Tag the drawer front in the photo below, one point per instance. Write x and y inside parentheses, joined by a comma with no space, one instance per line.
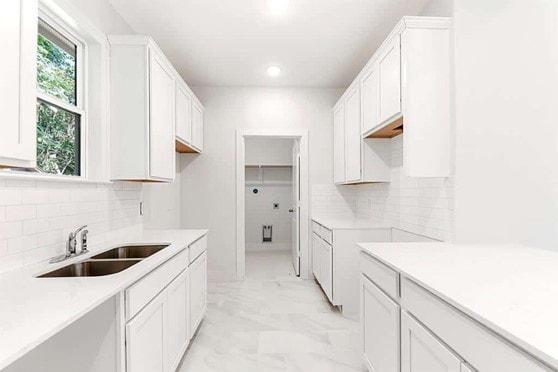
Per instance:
(479,346)
(144,290)
(197,248)
(384,277)
(326,235)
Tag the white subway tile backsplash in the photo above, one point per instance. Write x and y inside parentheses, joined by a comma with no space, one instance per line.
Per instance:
(10,197)
(419,205)
(35,216)
(21,212)
(22,244)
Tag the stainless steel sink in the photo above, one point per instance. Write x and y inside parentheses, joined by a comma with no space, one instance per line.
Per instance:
(91,268)
(130,251)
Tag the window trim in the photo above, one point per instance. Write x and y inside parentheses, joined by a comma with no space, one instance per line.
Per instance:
(80,108)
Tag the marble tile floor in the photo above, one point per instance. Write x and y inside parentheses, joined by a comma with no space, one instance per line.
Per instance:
(272,321)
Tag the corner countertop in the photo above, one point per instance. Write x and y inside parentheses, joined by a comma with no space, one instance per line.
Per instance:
(511,289)
(347,223)
(34,309)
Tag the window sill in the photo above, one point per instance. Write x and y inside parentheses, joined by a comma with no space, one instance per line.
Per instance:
(49,178)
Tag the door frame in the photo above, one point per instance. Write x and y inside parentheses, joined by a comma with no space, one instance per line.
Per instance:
(302,136)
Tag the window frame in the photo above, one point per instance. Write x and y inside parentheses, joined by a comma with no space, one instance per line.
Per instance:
(80,108)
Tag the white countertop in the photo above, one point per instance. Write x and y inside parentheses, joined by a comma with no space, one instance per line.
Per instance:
(511,289)
(34,309)
(347,223)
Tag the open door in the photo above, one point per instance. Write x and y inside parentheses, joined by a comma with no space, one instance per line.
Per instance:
(295,211)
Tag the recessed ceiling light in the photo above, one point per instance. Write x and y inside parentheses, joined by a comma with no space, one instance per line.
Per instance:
(277,6)
(273,71)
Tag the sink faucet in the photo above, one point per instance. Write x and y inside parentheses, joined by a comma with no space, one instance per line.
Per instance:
(71,244)
(84,242)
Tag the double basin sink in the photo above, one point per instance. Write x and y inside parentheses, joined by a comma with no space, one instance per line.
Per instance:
(110,262)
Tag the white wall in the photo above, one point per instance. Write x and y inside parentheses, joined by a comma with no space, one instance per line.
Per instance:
(259,211)
(438,8)
(162,203)
(208,180)
(269,151)
(507,131)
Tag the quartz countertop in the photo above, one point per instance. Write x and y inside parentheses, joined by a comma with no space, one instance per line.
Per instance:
(347,223)
(509,288)
(34,309)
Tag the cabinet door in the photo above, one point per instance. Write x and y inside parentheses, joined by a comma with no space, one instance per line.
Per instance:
(339,144)
(198,291)
(421,351)
(352,135)
(18,37)
(197,134)
(316,255)
(390,81)
(326,269)
(161,119)
(380,328)
(178,318)
(370,100)
(146,338)
(183,114)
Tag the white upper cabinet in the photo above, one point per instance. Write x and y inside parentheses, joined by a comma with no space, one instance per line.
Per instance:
(197,129)
(370,98)
(352,135)
(18,37)
(390,81)
(153,112)
(339,143)
(405,88)
(161,119)
(183,114)
(189,121)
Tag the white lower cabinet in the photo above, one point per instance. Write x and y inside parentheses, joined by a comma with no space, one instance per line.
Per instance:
(380,328)
(434,335)
(326,269)
(146,338)
(198,291)
(178,310)
(422,352)
(163,310)
(316,256)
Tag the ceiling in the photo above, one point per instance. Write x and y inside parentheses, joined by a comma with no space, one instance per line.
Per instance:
(316,43)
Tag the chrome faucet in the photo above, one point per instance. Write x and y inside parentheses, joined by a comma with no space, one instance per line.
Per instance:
(84,242)
(71,244)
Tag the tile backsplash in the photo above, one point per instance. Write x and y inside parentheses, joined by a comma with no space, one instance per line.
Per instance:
(37,216)
(419,205)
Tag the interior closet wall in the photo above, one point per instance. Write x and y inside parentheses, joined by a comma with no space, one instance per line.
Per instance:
(268,182)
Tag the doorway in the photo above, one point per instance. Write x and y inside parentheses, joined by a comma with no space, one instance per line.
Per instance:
(272,195)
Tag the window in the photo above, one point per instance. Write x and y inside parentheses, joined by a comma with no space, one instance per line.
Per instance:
(60,113)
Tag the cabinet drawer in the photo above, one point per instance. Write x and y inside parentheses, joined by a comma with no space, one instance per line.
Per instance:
(475,343)
(145,289)
(384,277)
(326,235)
(198,247)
